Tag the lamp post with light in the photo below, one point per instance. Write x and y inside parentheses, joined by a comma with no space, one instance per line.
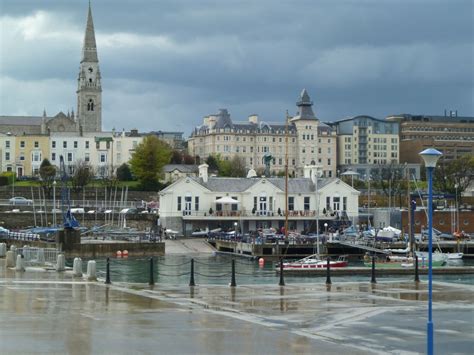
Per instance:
(430,157)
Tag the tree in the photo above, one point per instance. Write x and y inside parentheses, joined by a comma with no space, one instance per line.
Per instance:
(47,173)
(82,175)
(188,159)
(454,176)
(213,162)
(148,160)
(124,173)
(176,157)
(390,179)
(237,167)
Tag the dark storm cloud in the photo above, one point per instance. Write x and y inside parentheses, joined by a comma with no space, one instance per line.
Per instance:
(165,64)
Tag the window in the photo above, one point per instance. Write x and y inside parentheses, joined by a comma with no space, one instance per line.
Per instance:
(53,144)
(134,144)
(36,156)
(53,156)
(7,144)
(306,203)
(103,158)
(328,203)
(119,157)
(7,155)
(336,203)
(22,156)
(64,144)
(90,105)
(36,144)
(179,203)
(196,203)
(344,203)
(87,157)
(234,205)
(329,161)
(87,144)
(22,144)
(255,202)
(69,156)
(119,145)
(75,144)
(291,203)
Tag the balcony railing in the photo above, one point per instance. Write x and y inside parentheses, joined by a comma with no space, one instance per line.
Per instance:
(256,214)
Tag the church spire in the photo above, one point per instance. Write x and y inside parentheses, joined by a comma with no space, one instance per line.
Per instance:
(89,49)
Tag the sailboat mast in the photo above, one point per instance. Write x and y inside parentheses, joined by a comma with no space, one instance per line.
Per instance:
(410,231)
(286,176)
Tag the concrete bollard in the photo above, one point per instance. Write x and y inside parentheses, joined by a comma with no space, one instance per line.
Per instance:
(91,270)
(10,259)
(61,263)
(19,263)
(77,267)
(3,250)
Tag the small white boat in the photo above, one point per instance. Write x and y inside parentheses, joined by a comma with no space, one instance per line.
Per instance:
(314,262)
(455,256)
(437,256)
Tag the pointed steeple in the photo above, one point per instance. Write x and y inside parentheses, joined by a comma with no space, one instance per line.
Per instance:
(305,110)
(89,49)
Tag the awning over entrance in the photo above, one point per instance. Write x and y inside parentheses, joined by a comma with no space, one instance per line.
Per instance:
(227,200)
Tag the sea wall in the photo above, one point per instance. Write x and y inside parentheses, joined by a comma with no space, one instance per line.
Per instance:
(22,220)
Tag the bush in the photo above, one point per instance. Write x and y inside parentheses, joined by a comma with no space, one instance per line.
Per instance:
(4,180)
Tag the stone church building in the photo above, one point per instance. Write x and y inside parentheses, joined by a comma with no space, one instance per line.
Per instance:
(89,100)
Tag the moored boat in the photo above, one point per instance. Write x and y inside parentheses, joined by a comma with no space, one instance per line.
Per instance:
(314,262)
(391,261)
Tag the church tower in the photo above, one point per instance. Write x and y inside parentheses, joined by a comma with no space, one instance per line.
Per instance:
(89,89)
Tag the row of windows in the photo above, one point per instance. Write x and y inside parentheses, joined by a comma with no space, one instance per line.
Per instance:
(75,144)
(261,203)
(437,129)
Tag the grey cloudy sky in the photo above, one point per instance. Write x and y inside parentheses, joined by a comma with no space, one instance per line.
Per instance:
(166,64)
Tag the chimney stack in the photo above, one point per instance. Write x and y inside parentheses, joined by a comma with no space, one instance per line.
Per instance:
(203,172)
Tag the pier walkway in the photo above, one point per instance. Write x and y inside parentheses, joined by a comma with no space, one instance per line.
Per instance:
(51,312)
(358,245)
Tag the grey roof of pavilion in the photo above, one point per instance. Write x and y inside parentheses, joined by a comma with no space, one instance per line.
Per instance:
(89,49)
(184,168)
(224,184)
(295,185)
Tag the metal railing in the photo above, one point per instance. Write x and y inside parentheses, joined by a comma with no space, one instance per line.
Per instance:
(258,213)
(38,256)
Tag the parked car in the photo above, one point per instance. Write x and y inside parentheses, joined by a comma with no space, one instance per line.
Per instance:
(20,201)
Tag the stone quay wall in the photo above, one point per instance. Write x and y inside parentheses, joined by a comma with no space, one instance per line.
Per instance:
(22,220)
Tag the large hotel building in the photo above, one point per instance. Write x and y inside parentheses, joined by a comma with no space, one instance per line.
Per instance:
(310,142)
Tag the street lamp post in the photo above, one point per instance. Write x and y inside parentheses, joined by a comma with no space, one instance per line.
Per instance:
(326,230)
(54,203)
(456,207)
(430,156)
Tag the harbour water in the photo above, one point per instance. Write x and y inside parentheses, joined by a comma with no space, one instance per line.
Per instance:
(216,270)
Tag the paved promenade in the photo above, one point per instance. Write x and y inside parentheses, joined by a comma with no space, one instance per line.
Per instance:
(53,313)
